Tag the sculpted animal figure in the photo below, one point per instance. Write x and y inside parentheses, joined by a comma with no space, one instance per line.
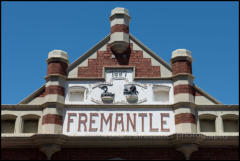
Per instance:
(130,90)
(106,93)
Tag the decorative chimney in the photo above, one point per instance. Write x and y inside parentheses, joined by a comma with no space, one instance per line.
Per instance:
(52,120)
(56,75)
(185,121)
(119,39)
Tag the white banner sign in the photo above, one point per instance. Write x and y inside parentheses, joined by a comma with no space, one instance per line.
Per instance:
(115,121)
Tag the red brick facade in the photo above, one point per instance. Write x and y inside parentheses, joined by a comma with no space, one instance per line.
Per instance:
(181,66)
(185,118)
(56,67)
(53,89)
(184,89)
(132,57)
(52,119)
(120,28)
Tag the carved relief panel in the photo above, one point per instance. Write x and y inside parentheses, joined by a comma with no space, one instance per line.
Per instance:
(119,87)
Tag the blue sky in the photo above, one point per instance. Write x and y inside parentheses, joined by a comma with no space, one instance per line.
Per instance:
(29,30)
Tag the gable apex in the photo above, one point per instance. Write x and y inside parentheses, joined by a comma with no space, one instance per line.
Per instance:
(104,45)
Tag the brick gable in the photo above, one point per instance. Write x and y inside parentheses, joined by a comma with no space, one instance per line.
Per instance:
(132,57)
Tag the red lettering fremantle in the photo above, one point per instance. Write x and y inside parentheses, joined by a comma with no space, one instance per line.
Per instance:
(142,115)
(70,120)
(121,122)
(82,121)
(109,119)
(133,123)
(91,129)
(151,128)
(163,122)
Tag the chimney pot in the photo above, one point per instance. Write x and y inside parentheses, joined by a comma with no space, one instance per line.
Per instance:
(119,39)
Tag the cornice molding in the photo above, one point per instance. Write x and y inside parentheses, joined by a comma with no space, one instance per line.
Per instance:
(174,106)
(173,140)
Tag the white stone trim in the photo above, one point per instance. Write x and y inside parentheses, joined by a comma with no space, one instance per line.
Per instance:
(201,100)
(6,116)
(183,82)
(20,113)
(119,10)
(54,98)
(122,21)
(18,125)
(37,101)
(207,116)
(230,116)
(73,73)
(58,54)
(54,111)
(55,82)
(51,129)
(119,36)
(182,52)
(185,110)
(186,128)
(183,97)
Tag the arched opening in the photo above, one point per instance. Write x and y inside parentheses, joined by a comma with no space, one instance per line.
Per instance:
(207,122)
(230,123)
(30,123)
(8,123)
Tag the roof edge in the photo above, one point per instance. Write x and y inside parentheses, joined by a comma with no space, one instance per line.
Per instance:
(207,95)
(88,53)
(31,96)
(151,52)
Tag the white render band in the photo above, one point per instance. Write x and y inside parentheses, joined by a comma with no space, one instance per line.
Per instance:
(182,53)
(58,54)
